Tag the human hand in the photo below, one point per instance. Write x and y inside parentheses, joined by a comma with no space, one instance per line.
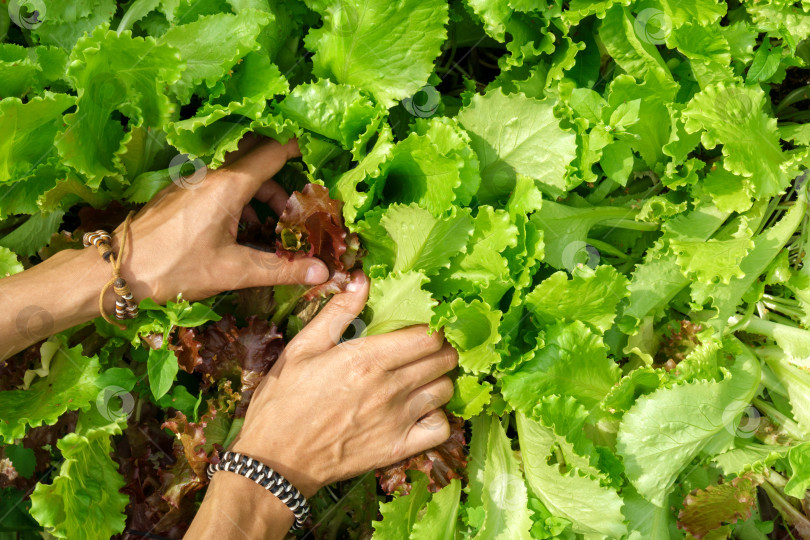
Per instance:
(327,412)
(184,240)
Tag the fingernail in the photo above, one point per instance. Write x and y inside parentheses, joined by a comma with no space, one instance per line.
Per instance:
(316,274)
(354,285)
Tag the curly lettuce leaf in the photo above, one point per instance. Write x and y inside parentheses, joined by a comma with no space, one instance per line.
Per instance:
(372,45)
(735,116)
(441,514)
(29,130)
(531,143)
(573,362)
(73,382)
(590,296)
(84,501)
(666,429)
(397,301)
(472,328)
(422,241)
(470,396)
(400,513)
(483,267)
(595,511)
(339,112)
(357,186)
(113,72)
(211,46)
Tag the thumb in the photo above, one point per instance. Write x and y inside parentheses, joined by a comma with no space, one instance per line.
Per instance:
(325,330)
(261,268)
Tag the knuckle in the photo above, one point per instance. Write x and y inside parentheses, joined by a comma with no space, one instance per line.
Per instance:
(445,389)
(449,358)
(359,370)
(429,342)
(443,431)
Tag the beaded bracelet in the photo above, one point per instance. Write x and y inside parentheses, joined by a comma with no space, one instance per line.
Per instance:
(125,306)
(267,478)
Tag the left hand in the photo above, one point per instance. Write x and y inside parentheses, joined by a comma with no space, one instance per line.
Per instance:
(184,240)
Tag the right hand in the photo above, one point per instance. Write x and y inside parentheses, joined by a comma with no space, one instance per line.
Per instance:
(328,411)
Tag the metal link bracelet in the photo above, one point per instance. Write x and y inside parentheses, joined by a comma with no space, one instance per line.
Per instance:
(266,477)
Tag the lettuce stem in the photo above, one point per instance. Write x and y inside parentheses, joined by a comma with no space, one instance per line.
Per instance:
(629,224)
(791,427)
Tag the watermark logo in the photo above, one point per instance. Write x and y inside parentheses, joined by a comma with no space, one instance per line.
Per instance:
(34,323)
(735,104)
(503,488)
(653,26)
(345,329)
(115,403)
(345,18)
(28,14)
(266,260)
(745,425)
(423,103)
(579,252)
(187,171)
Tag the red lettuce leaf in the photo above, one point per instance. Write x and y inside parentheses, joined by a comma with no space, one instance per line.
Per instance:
(195,446)
(312,223)
(223,351)
(441,464)
(705,510)
(141,453)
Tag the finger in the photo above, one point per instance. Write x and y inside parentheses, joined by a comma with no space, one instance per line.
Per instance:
(397,349)
(428,432)
(259,165)
(273,195)
(249,215)
(429,368)
(256,268)
(428,397)
(246,144)
(326,329)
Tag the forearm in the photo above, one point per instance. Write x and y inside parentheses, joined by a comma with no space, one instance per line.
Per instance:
(54,295)
(236,508)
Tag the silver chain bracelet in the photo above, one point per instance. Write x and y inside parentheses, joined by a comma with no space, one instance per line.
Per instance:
(267,478)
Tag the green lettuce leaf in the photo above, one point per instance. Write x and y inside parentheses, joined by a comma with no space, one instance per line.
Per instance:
(357,186)
(470,396)
(591,296)
(423,242)
(63,23)
(573,362)
(397,301)
(372,45)
(441,514)
(339,112)
(483,267)
(113,72)
(400,513)
(735,116)
(74,382)
(799,458)
(9,264)
(665,430)
(211,46)
(472,328)
(501,488)
(533,143)
(84,501)
(595,512)
(28,133)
